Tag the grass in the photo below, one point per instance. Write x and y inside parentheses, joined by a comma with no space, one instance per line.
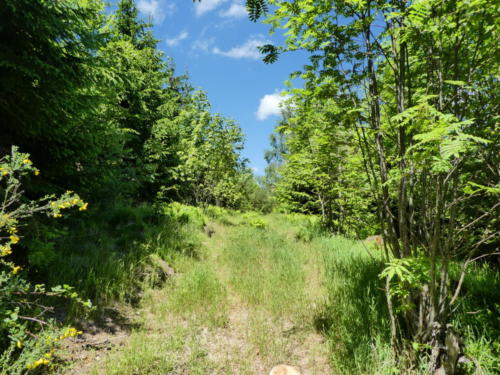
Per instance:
(148,354)
(354,318)
(477,317)
(265,270)
(272,289)
(106,259)
(199,296)
(242,306)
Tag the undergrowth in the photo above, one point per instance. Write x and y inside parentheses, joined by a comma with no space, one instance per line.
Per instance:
(106,256)
(269,263)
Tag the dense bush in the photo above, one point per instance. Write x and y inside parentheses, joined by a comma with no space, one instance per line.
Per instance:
(24,307)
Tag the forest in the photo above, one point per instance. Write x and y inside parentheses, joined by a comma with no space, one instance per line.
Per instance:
(136,239)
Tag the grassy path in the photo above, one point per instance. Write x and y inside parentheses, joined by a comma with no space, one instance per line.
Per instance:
(246,305)
(256,296)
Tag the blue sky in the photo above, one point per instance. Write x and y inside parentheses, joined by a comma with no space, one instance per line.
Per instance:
(216,44)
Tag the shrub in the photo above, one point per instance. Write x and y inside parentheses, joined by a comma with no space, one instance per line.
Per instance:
(23,306)
(185,214)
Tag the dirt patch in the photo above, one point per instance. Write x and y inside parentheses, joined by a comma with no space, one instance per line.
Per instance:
(108,331)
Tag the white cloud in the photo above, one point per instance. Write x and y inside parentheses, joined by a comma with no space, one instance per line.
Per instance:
(203,44)
(153,9)
(177,39)
(270,105)
(236,10)
(205,6)
(248,50)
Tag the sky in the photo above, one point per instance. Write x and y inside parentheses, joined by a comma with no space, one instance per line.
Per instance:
(215,43)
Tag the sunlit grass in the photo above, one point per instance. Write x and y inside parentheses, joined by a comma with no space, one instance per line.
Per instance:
(258,295)
(199,295)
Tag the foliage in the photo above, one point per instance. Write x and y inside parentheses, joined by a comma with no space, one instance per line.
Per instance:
(48,97)
(410,83)
(211,163)
(254,220)
(320,170)
(185,214)
(23,306)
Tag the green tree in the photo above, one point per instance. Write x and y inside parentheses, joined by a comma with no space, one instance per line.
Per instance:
(414,77)
(49,70)
(210,153)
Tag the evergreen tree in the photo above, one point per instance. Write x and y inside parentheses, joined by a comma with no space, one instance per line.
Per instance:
(48,76)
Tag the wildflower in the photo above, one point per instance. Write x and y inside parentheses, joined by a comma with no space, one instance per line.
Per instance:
(14,239)
(19,344)
(83,207)
(37,172)
(16,269)
(5,250)
(26,161)
(38,362)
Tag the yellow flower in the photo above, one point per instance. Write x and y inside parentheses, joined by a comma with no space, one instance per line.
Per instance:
(57,215)
(37,172)
(83,207)
(15,270)
(14,239)
(5,250)
(19,344)
(26,161)
(38,362)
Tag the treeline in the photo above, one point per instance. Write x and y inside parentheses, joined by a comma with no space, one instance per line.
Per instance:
(395,132)
(102,113)
(93,116)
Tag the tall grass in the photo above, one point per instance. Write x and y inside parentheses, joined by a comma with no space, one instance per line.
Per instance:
(106,257)
(285,281)
(354,317)
(265,269)
(199,296)
(477,318)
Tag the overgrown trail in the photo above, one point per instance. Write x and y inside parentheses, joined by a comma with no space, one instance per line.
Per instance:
(248,303)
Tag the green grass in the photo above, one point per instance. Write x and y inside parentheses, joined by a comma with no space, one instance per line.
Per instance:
(106,258)
(477,317)
(254,295)
(355,316)
(200,296)
(265,269)
(147,354)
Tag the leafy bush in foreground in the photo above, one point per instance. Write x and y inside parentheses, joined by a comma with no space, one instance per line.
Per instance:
(23,307)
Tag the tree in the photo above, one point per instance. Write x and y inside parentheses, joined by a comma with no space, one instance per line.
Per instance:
(49,72)
(412,78)
(320,171)
(210,154)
